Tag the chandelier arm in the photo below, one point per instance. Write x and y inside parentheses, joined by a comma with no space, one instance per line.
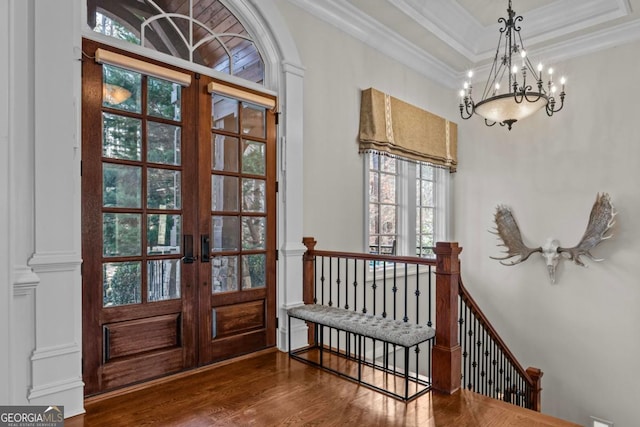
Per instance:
(552,103)
(528,90)
(519,97)
(488,123)
(464,110)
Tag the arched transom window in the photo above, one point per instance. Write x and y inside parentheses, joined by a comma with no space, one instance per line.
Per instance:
(204,32)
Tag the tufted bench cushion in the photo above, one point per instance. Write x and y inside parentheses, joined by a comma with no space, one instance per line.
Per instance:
(378,327)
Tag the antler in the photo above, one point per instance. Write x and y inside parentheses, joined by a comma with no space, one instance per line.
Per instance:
(509,232)
(600,221)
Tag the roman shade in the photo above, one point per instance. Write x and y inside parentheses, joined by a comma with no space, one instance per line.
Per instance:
(398,129)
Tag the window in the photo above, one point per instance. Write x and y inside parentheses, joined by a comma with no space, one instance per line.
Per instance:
(406,206)
(204,32)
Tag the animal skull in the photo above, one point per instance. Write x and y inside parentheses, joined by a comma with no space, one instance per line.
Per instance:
(551,255)
(600,222)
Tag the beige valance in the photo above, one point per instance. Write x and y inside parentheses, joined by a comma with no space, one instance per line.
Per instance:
(396,128)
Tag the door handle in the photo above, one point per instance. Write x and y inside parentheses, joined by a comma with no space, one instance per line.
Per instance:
(204,248)
(188,257)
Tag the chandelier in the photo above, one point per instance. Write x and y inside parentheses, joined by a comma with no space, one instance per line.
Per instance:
(508,96)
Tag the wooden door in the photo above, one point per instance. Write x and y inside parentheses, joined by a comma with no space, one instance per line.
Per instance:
(237,221)
(150,302)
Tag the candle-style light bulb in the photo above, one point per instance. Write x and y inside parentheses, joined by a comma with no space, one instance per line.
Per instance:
(466,85)
(540,67)
(563,80)
(461,94)
(470,74)
(514,69)
(497,88)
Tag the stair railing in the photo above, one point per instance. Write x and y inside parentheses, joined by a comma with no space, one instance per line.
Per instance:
(488,366)
(483,363)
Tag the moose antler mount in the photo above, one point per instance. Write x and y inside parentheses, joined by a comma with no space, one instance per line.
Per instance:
(600,221)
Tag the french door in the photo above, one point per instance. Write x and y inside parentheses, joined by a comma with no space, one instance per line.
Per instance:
(178,221)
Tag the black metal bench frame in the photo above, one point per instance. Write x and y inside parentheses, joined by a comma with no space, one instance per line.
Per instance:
(358,356)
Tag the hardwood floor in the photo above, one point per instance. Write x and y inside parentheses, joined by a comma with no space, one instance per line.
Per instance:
(269,389)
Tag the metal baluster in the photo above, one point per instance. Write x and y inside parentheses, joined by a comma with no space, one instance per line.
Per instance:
(461,337)
(338,281)
(417,293)
(346,283)
(430,321)
(322,281)
(406,293)
(476,371)
(364,289)
(468,338)
(315,280)
(417,321)
(384,292)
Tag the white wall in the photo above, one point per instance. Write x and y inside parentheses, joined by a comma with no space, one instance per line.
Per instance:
(583,331)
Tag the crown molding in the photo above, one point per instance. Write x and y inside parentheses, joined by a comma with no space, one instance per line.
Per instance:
(346,17)
(448,14)
(607,38)
(445,18)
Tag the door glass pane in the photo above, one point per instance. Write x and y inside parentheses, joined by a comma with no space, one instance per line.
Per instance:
(163,99)
(253,120)
(163,234)
(225,113)
(121,88)
(163,143)
(224,273)
(253,232)
(224,193)
(121,283)
(253,271)
(225,153)
(121,186)
(121,137)
(226,233)
(253,158)
(163,279)
(253,195)
(163,189)
(121,235)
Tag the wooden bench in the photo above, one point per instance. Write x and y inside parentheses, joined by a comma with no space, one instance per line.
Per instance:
(361,326)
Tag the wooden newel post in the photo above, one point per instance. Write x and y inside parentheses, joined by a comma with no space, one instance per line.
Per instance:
(536,375)
(308,272)
(308,277)
(447,354)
